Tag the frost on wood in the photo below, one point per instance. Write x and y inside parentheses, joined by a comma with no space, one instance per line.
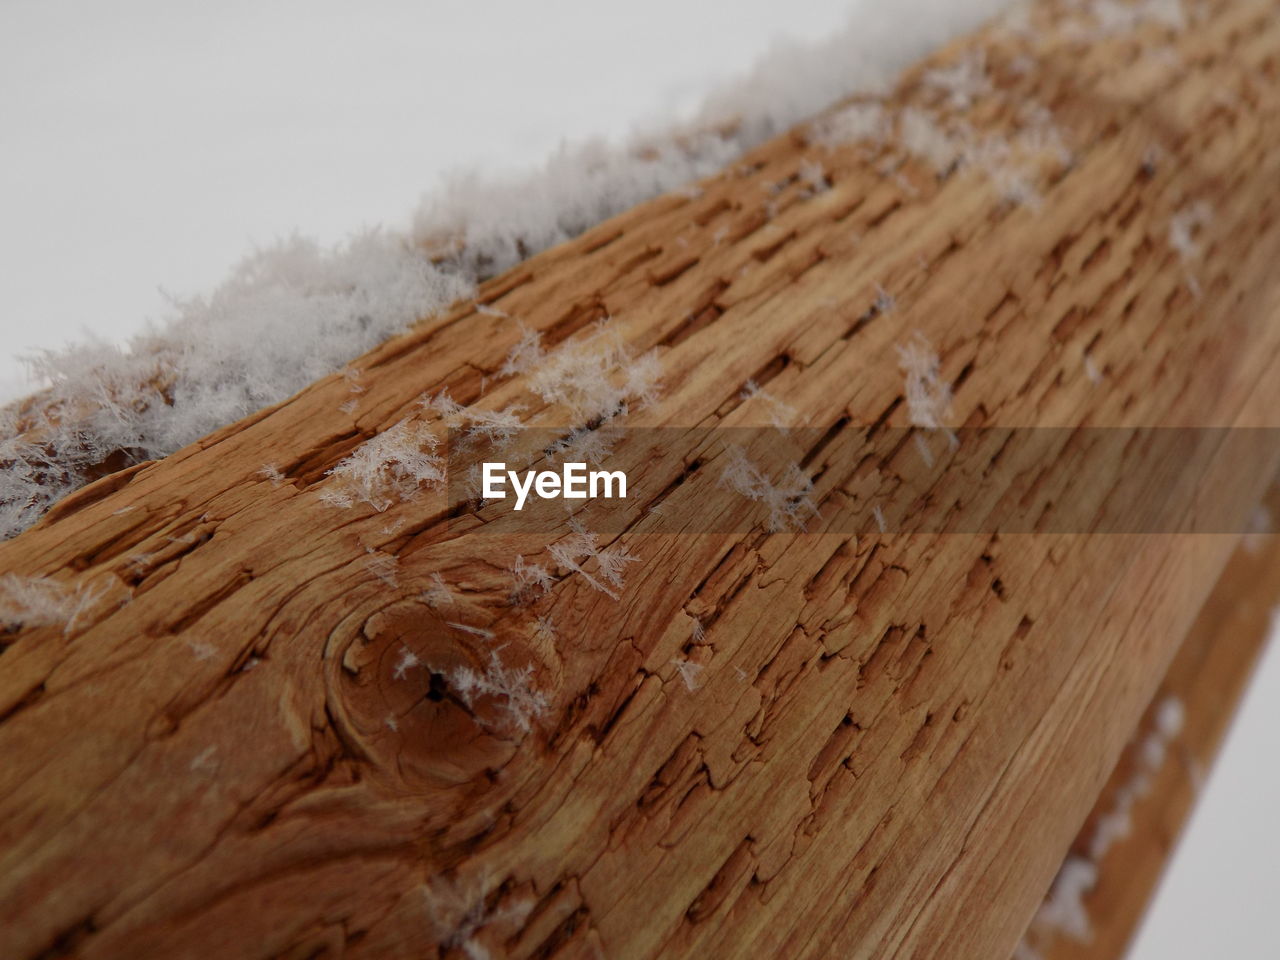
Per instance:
(928,395)
(42,602)
(1107,17)
(497,427)
(580,547)
(963,82)
(383,566)
(438,594)
(939,134)
(582,445)
(387,469)
(789,500)
(459,920)
(528,580)
(853,124)
(1183,231)
(520,703)
(781,415)
(1184,226)
(597,376)
(287,316)
(688,671)
(813,176)
(404,663)
(295,312)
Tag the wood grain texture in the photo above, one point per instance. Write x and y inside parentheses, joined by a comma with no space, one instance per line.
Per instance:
(1208,677)
(893,739)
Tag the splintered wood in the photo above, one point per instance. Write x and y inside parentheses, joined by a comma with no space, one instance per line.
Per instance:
(270,711)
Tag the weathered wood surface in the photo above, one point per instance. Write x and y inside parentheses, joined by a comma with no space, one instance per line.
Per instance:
(893,739)
(1208,678)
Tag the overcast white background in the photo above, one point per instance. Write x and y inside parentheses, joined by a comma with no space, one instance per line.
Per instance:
(148,146)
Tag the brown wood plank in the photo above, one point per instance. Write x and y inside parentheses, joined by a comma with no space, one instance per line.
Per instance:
(892,739)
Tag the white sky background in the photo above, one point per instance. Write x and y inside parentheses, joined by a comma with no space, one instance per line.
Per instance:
(148,145)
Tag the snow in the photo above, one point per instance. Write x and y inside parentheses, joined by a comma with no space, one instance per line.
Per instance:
(782,415)
(41,475)
(580,547)
(789,499)
(42,602)
(521,703)
(384,566)
(528,580)
(596,377)
(497,427)
(438,594)
(855,123)
(387,469)
(1184,226)
(928,395)
(296,311)
(688,671)
(404,663)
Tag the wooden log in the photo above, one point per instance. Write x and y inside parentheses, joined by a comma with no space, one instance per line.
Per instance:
(1153,796)
(255,735)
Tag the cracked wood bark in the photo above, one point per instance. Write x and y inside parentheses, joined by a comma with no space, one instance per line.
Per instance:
(203,767)
(1208,676)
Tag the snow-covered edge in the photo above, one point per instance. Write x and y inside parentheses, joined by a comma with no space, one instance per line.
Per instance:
(295,312)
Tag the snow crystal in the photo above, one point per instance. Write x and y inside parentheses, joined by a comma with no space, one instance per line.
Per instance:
(406,662)
(528,580)
(523,703)
(457,918)
(1184,226)
(924,138)
(42,602)
(597,377)
(813,176)
(1064,910)
(498,427)
(480,632)
(788,501)
(697,632)
(962,82)
(928,395)
(438,594)
(383,566)
(885,302)
(1114,16)
(388,468)
(688,671)
(580,547)
(856,123)
(781,415)
(582,445)
(1091,370)
(296,312)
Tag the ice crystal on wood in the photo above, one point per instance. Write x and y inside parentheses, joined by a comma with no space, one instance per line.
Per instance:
(42,602)
(581,547)
(389,468)
(521,704)
(789,500)
(928,395)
